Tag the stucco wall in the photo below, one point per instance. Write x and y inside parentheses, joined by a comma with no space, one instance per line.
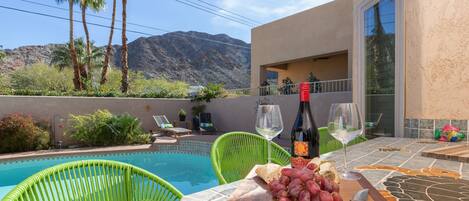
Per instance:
(333,68)
(229,114)
(437,59)
(51,108)
(317,31)
(239,114)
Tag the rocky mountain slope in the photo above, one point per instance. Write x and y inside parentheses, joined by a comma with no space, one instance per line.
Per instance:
(188,56)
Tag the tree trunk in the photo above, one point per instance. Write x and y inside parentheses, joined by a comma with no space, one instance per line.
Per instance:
(77,82)
(86,67)
(109,46)
(124,59)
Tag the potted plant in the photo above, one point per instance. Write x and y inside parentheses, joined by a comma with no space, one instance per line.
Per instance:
(182,115)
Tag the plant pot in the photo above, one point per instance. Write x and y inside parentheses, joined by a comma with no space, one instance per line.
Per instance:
(182,117)
(196,123)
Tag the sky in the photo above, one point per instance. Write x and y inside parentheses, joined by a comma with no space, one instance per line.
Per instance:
(18,29)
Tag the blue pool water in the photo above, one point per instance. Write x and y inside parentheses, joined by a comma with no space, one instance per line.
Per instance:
(188,173)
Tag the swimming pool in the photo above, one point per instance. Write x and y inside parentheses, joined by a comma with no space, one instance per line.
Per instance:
(187,172)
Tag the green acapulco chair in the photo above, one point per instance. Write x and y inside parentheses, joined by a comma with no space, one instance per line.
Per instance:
(234,154)
(93,180)
(327,143)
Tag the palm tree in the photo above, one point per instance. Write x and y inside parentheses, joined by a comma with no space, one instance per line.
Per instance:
(109,46)
(95,5)
(61,58)
(124,56)
(77,82)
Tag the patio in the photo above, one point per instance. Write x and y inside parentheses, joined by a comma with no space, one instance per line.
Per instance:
(385,168)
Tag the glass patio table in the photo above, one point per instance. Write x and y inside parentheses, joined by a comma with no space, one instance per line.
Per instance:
(394,166)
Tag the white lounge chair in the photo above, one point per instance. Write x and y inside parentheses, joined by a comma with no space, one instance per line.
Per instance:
(165,126)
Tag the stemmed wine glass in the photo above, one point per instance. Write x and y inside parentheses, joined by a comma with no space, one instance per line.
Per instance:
(269,123)
(345,124)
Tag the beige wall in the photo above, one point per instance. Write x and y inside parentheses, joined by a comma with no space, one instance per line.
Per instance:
(335,67)
(437,59)
(317,31)
(53,107)
(241,113)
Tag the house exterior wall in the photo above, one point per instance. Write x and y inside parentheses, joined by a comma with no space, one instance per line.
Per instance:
(437,59)
(321,30)
(333,68)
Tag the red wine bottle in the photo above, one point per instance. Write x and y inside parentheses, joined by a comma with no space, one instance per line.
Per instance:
(304,134)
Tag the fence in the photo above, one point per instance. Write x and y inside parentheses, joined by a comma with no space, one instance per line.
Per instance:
(326,86)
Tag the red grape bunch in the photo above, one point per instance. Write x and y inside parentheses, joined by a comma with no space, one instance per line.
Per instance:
(304,184)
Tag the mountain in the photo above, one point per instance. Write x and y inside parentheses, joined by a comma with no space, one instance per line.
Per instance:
(194,57)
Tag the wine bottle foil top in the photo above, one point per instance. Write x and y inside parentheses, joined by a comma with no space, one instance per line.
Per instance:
(304,92)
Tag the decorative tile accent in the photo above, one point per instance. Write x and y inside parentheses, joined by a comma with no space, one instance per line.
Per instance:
(414,123)
(407,123)
(426,133)
(462,124)
(426,124)
(439,123)
(425,128)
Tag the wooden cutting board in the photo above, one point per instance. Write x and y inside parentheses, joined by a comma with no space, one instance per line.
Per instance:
(455,152)
(253,188)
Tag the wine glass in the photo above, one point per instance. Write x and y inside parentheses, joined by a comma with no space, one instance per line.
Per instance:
(269,123)
(345,124)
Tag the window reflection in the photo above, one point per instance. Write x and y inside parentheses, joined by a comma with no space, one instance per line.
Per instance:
(380,64)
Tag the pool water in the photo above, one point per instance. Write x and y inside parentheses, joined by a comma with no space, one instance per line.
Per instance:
(187,172)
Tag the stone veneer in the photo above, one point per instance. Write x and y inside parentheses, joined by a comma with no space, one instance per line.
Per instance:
(425,128)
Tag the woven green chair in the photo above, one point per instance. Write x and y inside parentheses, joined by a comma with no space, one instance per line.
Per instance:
(93,180)
(327,143)
(234,154)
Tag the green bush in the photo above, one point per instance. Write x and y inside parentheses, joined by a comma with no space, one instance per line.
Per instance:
(20,133)
(42,80)
(102,128)
(209,92)
(40,77)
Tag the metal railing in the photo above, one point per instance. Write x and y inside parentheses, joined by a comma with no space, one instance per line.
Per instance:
(325,86)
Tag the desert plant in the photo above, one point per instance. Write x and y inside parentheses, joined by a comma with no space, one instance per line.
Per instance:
(95,5)
(209,92)
(19,132)
(182,115)
(124,50)
(107,56)
(77,82)
(102,128)
(41,77)
(61,58)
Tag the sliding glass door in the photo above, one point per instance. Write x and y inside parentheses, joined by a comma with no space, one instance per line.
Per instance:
(379,63)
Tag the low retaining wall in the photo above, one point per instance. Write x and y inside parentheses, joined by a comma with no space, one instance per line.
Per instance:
(230,114)
(57,109)
(239,114)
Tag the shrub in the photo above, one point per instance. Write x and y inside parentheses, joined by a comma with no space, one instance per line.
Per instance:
(209,92)
(20,133)
(102,128)
(40,77)
(42,80)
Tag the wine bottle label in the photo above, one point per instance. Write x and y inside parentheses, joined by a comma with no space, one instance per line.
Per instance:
(299,162)
(301,148)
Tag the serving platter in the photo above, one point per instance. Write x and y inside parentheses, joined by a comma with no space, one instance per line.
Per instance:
(254,188)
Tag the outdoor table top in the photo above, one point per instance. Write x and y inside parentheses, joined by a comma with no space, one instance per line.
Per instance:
(384,165)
